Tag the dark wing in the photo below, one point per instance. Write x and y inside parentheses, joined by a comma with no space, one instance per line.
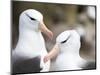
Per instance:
(89,65)
(26,66)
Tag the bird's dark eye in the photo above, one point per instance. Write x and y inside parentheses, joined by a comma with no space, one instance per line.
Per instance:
(30,17)
(65,40)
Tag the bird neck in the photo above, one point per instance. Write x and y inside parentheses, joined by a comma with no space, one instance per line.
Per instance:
(70,51)
(31,43)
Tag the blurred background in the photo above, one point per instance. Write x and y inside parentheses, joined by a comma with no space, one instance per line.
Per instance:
(61,17)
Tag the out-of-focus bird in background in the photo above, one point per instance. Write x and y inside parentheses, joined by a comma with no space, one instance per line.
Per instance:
(91,12)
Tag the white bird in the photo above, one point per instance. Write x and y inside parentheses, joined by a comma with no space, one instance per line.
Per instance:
(68,58)
(30,49)
(91,12)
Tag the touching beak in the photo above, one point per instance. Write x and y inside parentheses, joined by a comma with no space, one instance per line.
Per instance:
(45,30)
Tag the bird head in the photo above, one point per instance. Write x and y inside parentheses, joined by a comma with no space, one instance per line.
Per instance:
(33,20)
(69,41)
(63,37)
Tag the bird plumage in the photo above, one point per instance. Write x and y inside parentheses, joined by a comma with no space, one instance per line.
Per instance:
(31,43)
(68,57)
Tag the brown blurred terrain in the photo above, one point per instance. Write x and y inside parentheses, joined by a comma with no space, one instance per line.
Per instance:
(60,17)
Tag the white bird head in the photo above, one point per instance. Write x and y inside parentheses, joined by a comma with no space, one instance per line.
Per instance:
(69,41)
(63,37)
(33,20)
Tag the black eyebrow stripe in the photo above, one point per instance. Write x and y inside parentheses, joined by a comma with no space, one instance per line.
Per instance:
(30,17)
(66,39)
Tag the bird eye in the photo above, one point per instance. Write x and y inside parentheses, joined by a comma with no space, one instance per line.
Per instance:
(65,40)
(30,17)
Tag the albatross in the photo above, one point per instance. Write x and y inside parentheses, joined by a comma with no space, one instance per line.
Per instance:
(66,53)
(30,50)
